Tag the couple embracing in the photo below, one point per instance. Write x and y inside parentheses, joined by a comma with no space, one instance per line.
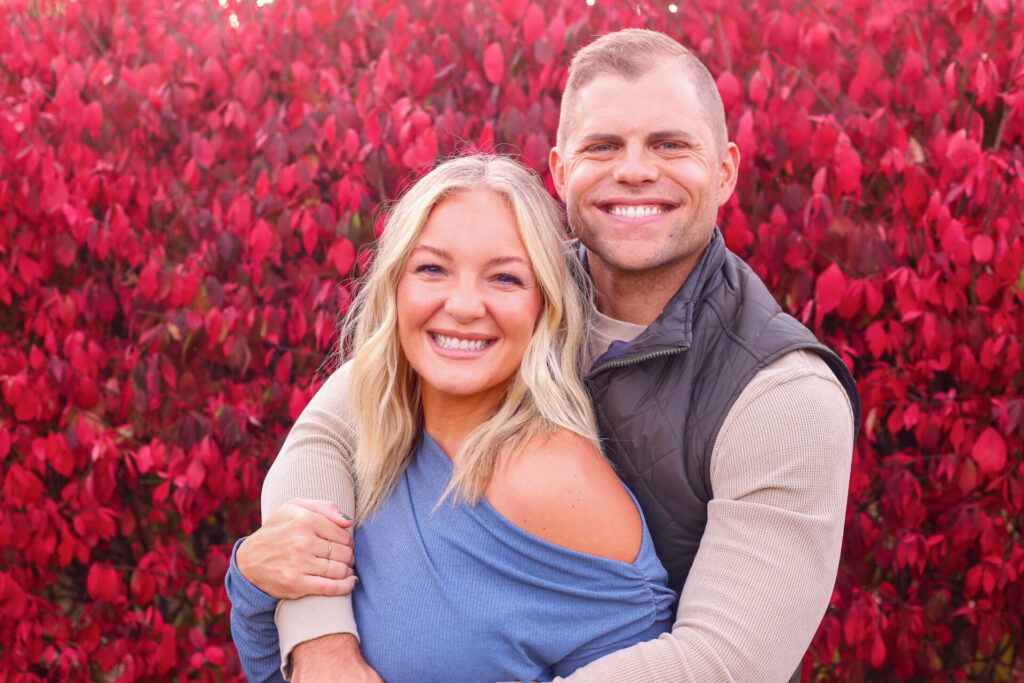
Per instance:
(505,388)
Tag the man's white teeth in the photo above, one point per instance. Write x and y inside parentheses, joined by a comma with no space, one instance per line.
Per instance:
(457,344)
(635,211)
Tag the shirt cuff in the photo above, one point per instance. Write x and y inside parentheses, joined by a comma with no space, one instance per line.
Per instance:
(245,597)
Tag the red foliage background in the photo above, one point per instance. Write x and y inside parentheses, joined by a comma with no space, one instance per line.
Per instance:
(183,187)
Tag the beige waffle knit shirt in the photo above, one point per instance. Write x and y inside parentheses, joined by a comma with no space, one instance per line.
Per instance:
(767,562)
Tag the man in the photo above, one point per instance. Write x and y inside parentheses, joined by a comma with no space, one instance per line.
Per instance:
(731,424)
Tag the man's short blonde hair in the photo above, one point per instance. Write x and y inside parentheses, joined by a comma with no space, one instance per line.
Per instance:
(632,53)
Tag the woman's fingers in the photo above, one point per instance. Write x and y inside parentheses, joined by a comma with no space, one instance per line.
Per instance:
(299,551)
(331,587)
(325,508)
(325,532)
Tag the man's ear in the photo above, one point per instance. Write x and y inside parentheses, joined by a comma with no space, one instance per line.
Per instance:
(557,167)
(728,172)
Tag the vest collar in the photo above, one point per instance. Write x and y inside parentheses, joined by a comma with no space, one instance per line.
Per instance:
(673,329)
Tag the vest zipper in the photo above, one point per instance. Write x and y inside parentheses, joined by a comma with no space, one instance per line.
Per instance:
(623,362)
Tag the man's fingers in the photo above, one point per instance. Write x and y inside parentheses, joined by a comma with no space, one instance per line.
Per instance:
(325,508)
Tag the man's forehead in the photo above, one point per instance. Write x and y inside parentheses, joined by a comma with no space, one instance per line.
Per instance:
(673,106)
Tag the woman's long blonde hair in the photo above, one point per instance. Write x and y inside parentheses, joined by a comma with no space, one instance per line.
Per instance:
(545,393)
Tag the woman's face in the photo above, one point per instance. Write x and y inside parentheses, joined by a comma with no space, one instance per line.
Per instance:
(468,299)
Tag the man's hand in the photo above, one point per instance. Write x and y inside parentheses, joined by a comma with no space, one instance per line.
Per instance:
(304,548)
(331,658)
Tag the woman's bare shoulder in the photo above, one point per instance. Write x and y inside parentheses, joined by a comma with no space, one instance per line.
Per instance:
(561,489)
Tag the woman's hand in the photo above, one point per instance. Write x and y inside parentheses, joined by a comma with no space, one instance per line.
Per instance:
(303,548)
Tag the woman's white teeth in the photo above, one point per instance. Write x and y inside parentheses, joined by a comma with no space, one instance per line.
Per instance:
(457,344)
(635,211)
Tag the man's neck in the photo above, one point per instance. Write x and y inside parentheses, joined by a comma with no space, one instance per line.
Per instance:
(636,297)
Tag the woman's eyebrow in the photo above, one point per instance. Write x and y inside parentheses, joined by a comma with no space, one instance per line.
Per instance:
(441,253)
(499,260)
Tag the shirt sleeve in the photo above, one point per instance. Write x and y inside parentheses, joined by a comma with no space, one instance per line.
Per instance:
(764,573)
(315,462)
(252,626)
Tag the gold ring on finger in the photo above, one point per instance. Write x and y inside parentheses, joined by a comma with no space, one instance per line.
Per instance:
(326,567)
(329,546)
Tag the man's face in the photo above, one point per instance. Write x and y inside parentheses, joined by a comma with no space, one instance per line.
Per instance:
(640,175)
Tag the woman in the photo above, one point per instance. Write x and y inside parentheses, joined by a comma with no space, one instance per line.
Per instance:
(495,542)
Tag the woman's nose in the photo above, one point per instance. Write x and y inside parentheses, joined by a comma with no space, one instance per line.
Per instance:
(464,301)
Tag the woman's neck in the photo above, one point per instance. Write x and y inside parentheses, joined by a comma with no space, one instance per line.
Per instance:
(449,419)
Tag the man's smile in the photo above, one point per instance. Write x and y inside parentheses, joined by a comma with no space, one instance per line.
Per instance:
(636,210)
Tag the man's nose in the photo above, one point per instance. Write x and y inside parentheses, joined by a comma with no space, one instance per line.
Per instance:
(635,167)
(464,302)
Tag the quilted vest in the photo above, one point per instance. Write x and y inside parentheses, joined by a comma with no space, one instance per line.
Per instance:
(661,398)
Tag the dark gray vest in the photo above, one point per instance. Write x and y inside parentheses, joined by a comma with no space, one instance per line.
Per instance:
(661,399)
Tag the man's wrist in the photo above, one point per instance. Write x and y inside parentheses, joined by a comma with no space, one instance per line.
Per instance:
(342,648)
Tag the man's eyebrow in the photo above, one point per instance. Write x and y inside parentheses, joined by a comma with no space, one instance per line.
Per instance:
(599,137)
(673,134)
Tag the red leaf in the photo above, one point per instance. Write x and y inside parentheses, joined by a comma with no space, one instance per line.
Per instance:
(304,23)
(297,402)
(423,76)
(92,117)
(310,232)
(830,289)
(989,451)
(848,166)
(214,77)
(758,89)
(167,652)
(342,254)
(878,652)
(196,473)
(533,24)
(143,586)
(54,193)
(962,152)
(148,280)
(422,151)
(103,583)
(13,599)
(494,64)
(248,90)
(983,248)
(260,241)
(27,407)
(383,75)
(877,338)
(65,249)
(730,88)
(215,655)
(22,485)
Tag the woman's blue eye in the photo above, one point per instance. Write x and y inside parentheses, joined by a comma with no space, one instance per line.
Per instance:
(510,279)
(428,268)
